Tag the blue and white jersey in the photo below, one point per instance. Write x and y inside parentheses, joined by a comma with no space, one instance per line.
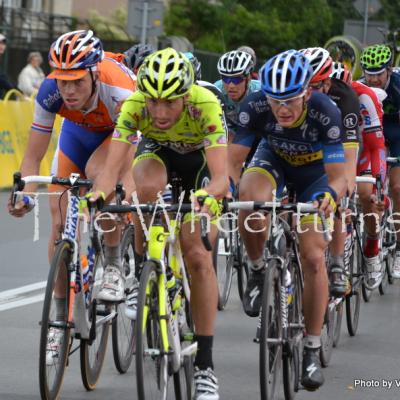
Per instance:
(315,139)
(231,108)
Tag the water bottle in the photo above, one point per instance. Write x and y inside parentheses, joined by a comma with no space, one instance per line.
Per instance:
(289,287)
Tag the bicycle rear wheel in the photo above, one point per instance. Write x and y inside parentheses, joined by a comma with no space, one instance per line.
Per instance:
(270,356)
(123,328)
(353,299)
(223,259)
(92,352)
(52,361)
(152,372)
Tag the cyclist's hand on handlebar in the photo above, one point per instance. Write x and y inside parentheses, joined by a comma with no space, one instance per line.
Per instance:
(378,205)
(23,204)
(325,202)
(206,203)
(97,197)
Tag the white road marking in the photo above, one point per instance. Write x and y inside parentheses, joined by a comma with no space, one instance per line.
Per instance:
(19,297)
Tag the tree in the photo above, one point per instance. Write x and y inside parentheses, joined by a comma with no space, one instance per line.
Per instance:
(268,26)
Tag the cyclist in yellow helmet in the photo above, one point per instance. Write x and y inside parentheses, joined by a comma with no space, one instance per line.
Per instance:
(182,134)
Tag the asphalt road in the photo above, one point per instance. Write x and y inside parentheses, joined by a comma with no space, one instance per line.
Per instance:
(370,359)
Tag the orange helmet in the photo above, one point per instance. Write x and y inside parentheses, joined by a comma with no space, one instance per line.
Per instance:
(74,53)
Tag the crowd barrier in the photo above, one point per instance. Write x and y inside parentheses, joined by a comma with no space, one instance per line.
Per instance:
(16,117)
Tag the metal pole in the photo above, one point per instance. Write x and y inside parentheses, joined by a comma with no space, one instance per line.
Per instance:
(145,15)
(366,3)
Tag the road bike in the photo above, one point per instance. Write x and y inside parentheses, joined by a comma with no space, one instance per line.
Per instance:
(70,309)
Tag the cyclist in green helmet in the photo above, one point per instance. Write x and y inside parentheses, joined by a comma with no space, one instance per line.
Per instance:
(376,62)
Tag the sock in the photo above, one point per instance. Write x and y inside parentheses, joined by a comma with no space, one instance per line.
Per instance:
(337,260)
(60,309)
(371,246)
(313,342)
(112,256)
(204,352)
(257,265)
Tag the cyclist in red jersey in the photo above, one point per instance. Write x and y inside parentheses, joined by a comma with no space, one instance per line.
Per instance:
(372,160)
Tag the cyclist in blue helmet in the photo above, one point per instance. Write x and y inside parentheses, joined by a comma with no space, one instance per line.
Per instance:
(301,146)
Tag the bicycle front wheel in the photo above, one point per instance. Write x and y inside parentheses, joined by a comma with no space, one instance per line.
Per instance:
(270,332)
(327,335)
(55,332)
(223,259)
(338,324)
(123,328)
(93,352)
(353,299)
(152,374)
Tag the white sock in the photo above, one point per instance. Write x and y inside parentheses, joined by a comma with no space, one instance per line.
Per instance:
(313,342)
(258,264)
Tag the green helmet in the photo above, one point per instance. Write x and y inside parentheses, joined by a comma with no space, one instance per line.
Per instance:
(376,58)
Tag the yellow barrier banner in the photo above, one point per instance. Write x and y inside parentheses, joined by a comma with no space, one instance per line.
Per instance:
(16,118)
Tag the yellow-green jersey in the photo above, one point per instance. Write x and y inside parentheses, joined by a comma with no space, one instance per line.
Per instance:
(201,124)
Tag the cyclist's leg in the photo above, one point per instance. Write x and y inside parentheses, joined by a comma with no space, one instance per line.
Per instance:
(315,293)
(258,182)
(338,279)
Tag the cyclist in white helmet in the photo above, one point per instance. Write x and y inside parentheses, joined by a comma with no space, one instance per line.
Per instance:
(235,84)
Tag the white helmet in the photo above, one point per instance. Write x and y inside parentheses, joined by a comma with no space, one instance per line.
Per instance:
(235,63)
(320,61)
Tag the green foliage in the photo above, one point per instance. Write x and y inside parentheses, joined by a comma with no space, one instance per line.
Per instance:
(113,28)
(266,25)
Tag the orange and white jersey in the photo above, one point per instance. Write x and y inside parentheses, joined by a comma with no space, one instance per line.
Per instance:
(114,85)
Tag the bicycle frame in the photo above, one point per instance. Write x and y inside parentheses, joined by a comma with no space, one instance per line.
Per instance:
(159,239)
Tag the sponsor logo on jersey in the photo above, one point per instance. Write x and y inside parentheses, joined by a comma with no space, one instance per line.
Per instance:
(244,117)
(350,121)
(333,133)
(319,116)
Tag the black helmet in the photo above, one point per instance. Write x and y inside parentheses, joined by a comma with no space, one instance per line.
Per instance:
(135,56)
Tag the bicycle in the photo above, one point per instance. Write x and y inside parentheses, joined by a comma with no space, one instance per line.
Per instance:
(229,258)
(78,316)
(164,328)
(281,322)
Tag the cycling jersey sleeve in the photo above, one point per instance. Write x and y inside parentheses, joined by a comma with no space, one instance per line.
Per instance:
(330,125)
(48,102)
(212,125)
(128,121)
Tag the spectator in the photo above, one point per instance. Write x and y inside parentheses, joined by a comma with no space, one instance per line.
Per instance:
(31,76)
(5,83)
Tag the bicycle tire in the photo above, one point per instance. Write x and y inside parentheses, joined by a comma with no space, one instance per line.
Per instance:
(242,266)
(290,357)
(123,328)
(223,259)
(50,390)
(92,353)
(327,335)
(383,286)
(270,355)
(366,293)
(353,299)
(347,50)
(338,324)
(151,359)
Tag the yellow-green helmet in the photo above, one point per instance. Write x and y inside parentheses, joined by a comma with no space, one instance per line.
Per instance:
(165,74)
(376,58)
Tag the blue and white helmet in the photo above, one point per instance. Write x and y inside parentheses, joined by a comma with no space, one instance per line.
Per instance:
(286,75)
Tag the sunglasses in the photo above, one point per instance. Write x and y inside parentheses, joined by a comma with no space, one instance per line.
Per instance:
(233,79)
(289,103)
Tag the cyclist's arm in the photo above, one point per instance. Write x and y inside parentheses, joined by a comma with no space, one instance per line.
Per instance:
(237,154)
(37,146)
(116,154)
(217,165)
